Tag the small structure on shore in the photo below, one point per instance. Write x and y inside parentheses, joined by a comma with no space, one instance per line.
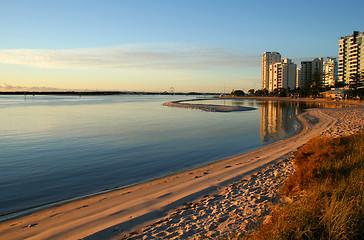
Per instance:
(335,94)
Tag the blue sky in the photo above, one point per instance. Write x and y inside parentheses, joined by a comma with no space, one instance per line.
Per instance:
(152,45)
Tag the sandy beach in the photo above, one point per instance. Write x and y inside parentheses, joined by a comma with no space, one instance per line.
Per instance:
(214,200)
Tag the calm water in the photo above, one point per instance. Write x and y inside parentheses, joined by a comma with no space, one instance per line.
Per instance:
(54,148)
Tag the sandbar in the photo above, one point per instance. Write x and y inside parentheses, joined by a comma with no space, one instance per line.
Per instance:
(207,107)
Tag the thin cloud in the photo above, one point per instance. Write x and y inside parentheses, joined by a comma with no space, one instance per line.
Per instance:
(131,57)
(10,88)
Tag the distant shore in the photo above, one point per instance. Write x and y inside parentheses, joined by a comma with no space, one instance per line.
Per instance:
(116,213)
(100,93)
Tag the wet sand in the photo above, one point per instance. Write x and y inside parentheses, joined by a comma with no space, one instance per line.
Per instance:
(220,196)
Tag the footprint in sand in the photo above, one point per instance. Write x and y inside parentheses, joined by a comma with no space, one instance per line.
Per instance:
(14,224)
(85,206)
(31,225)
(57,214)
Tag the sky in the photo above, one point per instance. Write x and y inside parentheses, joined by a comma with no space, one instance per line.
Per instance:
(154,45)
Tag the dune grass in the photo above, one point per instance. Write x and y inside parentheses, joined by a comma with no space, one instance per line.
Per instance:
(326,193)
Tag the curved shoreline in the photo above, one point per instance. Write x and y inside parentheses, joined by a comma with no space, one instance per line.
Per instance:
(131,208)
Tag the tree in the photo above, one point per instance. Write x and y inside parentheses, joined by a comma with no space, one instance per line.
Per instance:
(339,84)
(357,83)
(251,91)
(284,92)
(315,85)
(279,92)
(262,92)
(274,92)
(258,92)
(357,79)
(238,93)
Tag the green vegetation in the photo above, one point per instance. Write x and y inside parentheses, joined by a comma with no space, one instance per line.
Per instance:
(238,93)
(251,91)
(326,193)
(262,92)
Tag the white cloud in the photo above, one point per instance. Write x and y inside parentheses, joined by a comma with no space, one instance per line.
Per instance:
(153,56)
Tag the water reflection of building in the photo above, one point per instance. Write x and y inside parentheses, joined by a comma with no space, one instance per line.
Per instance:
(276,119)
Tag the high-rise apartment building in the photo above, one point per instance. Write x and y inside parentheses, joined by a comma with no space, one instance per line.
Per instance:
(268,58)
(282,75)
(307,70)
(351,56)
(306,73)
(330,72)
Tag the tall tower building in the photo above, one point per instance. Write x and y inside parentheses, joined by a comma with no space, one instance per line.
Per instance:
(268,58)
(351,55)
(282,75)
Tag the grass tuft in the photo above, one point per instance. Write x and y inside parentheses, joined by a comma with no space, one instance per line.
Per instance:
(327,190)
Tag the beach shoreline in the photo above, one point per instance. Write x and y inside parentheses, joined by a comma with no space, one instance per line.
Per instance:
(119,212)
